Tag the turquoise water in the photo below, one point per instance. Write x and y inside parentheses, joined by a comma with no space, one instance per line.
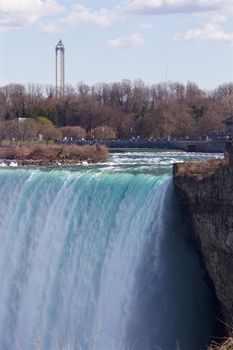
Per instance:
(95,257)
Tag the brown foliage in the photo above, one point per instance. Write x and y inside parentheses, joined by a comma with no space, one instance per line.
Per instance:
(199,169)
(129,108)
(50,133)
(7,153)
(50,154)
(28,129)
(102,133)
(73,132)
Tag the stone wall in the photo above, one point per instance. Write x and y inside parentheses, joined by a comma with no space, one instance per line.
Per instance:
(209,202)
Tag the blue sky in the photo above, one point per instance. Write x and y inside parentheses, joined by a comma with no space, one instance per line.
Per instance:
(111,40)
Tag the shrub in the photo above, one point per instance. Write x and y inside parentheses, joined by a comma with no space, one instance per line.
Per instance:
(199,169)
(73,132)
(102,133)
(48,154)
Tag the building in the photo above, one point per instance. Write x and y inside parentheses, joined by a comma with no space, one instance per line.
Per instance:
(22,120)
(228,124)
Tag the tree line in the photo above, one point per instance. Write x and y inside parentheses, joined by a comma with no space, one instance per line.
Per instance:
(116,110)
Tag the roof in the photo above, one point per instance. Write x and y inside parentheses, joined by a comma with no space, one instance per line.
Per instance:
(60,45)
(228,119)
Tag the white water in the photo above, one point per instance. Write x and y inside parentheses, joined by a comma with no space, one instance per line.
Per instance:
(95,258)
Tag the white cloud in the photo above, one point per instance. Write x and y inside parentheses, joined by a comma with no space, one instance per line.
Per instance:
(19,13)
(146,25)
(49,16)
(133,40)
(39,7)
(80,14)
(209,32)
(158,7)
(211,17)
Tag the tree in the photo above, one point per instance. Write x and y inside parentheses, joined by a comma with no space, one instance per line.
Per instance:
(2,131)
(11,130)
(47,129)
(15,101)
(50,133)
(102,133)
(126,126)
(73,132)
(128,108)
(27,129)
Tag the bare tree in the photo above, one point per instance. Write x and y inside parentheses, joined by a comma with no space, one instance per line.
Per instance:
(73,132)
(103,132)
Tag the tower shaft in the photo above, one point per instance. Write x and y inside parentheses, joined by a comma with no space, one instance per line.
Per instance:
(60,69)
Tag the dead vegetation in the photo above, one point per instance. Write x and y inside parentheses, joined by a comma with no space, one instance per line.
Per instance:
(227,345)
(199,170)
(52,154)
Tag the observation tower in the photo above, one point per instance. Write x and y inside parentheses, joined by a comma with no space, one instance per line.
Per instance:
(60,69)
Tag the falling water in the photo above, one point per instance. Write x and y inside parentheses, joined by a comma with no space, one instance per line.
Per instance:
(95,257)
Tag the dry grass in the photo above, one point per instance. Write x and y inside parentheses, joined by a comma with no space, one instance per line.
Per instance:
(50,154)
(199,169)
(227,345)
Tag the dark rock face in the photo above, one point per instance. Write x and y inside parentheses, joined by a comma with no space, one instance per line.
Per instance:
(209,202)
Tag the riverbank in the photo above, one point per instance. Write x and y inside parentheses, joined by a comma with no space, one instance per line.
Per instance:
(30,154)
(211,146)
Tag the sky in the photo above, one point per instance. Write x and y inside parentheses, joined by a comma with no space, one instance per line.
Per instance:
(112,40)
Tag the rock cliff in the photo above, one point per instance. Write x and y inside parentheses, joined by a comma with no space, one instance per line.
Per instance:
(207,193)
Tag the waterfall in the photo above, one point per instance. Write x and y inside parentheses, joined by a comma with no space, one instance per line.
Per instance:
(97,260)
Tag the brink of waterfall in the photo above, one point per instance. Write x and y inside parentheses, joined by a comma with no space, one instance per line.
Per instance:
(96,257)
